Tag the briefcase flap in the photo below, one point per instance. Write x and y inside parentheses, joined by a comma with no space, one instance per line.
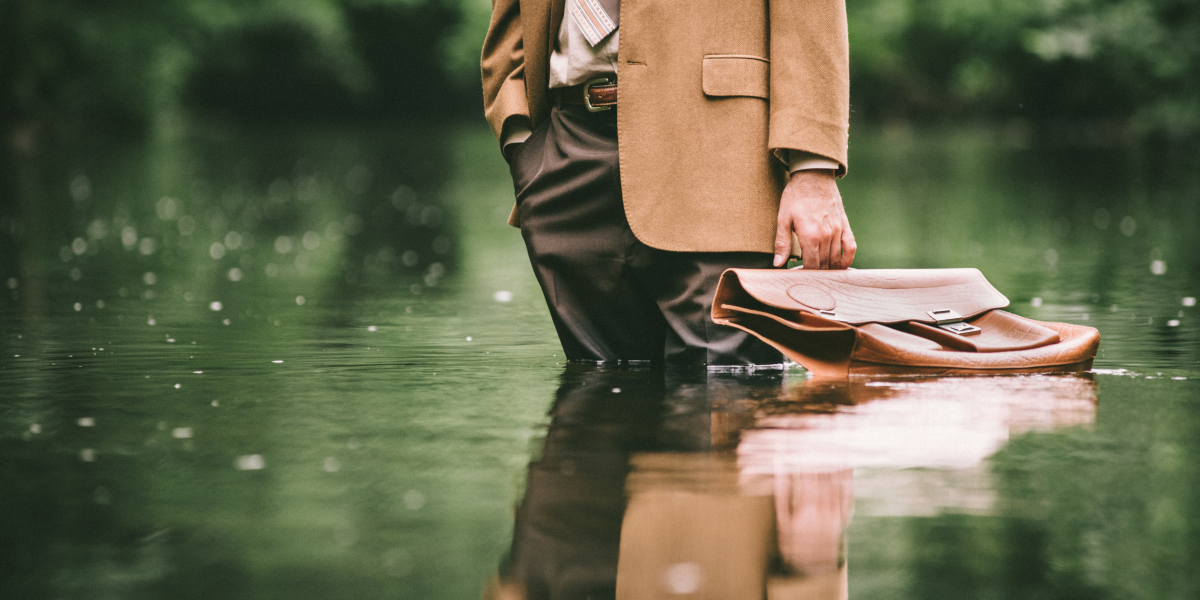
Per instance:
(860,296)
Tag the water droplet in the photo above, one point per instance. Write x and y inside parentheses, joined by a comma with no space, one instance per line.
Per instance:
(99,304)
(1035,302)
(277,361)
(182,433)
(1128,226)
(216,403)
(414,500)
(250,462)
(216,250)
(79,246)
(197,372)
(372,328)
(215,306)
(616,390)
(1173,323)
(147,246)
(233,240)
(398,562)
(187,225)
(1158,267)
(503,296)
(1173,379)
(311,240)
(178,385)
(300,300)
(13,283)
(78,307)
(332,465)
(86,422)
(225,322)
(170,340)
(166,208)
(468,338)
(1189,301)
(402,197)
(150,321)
(87,455)
(35,429)
(81,188)
(283,244)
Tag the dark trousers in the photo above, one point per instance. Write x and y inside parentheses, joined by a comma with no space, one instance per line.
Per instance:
(611,296)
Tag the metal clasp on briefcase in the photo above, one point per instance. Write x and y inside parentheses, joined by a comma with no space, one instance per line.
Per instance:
(951,321)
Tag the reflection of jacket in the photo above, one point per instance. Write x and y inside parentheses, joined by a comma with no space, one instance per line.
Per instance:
(696,132)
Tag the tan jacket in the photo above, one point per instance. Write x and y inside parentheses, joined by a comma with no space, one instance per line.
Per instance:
(709,90)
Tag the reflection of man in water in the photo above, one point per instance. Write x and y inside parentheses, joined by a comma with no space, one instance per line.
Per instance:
(682,521)
(568,527)
(707,142)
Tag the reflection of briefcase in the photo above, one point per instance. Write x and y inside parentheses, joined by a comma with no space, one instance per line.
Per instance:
(867,321)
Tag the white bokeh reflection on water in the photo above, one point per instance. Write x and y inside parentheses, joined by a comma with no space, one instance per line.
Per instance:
(918,447)
(372,440)
(806,460)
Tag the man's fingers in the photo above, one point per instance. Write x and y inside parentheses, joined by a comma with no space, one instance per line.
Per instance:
(811,253)
(783,242)
(849,247)
(833,250)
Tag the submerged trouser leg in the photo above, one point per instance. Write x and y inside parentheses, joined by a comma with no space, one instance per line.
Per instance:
(612,297)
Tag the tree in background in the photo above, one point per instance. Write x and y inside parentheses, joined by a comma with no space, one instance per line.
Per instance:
(130,65)
(1134,64)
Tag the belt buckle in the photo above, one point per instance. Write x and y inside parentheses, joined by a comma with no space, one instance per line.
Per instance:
(587,100)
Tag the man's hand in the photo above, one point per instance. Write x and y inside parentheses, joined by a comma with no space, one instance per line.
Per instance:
(811,207)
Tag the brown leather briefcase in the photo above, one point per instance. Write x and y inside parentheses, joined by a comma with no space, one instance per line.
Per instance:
(877,321)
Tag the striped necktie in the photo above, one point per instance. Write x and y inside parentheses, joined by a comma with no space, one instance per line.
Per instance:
(596,18)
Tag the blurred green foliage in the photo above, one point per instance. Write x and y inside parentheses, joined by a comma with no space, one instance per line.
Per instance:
(132,65)
(1130,67)
(1134,64)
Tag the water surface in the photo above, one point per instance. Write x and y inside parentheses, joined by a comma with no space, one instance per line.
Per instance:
(315,364)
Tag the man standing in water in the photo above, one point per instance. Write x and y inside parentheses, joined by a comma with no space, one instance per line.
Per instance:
(710,140)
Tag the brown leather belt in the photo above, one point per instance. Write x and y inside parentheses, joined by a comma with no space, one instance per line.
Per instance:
(597,95)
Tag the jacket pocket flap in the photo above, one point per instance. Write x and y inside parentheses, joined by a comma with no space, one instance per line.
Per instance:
(736,75)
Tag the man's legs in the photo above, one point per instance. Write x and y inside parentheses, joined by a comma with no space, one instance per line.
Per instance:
(612,297)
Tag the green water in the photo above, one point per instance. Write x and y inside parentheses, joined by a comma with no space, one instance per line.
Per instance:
(315,364)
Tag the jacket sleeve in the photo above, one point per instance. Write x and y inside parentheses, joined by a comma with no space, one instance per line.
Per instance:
(810,78)
(503,68)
